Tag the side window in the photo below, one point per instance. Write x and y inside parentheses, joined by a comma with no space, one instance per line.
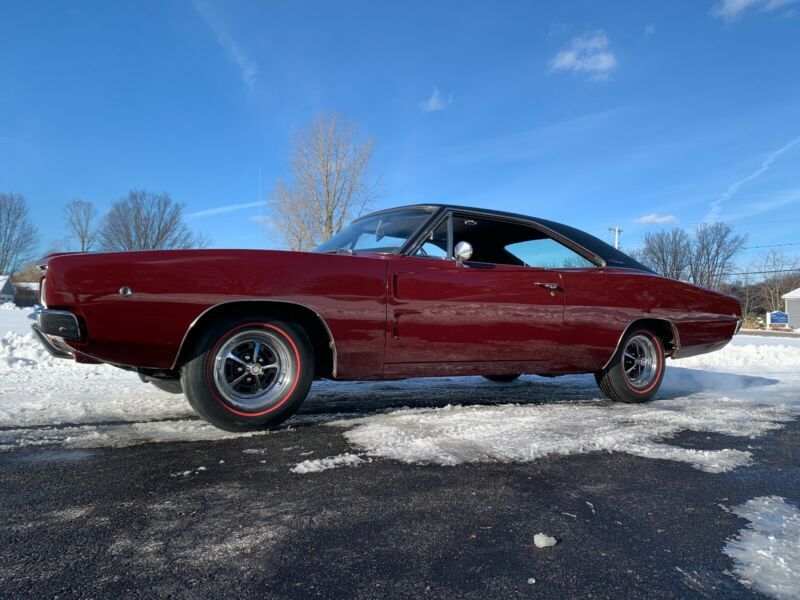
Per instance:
(546,253)
(435,244)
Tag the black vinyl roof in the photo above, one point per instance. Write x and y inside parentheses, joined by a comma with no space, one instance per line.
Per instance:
(607,252)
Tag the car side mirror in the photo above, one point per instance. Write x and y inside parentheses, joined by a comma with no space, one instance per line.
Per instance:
(463,252)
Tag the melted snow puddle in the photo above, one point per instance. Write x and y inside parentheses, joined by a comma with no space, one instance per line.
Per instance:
(766,553)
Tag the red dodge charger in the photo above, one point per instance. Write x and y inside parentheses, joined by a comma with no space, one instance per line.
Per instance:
(409,292)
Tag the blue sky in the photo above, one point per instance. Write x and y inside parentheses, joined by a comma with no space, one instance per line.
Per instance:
(641,114)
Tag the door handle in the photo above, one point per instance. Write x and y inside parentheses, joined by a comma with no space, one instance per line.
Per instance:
(550,286)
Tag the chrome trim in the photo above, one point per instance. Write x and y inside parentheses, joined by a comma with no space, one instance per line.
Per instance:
(640,362)
(50,345)
(253,369)
(40,311)
(462,252)
(739,323)
(675,335)
(450,242)
(331,343)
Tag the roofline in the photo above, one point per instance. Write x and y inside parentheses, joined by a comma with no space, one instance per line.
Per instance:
(604,254)
(438,206)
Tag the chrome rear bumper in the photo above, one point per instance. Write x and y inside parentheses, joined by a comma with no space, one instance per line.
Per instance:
(52,327)
(58,323)
(53,346)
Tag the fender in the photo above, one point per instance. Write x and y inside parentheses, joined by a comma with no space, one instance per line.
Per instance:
(193,324)
(675,336)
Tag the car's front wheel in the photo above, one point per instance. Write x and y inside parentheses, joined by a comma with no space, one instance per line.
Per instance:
(637,369)
(249,373)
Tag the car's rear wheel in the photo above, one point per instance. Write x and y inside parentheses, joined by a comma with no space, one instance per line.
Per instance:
(502,378)
(249,373)
(637,369)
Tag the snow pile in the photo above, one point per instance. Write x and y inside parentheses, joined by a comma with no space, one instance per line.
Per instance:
(512,433)
(323,464)
(542,540)
(766,553)
(9,306)
(751,354)
(19,351)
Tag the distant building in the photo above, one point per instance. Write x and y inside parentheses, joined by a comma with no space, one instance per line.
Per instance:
(6,289)
(25,293)
(793,308)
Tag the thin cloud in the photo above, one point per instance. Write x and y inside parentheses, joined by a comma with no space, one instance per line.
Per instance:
(656,219)
(436,102)
(590,53)
(218,210)
(716,205)
(248,69)
(730,10)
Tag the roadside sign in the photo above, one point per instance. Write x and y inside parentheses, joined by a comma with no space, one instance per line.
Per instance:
(779,318)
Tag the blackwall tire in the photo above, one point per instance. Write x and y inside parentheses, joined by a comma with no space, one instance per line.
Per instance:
(636,371)
(502,378)
(249,373)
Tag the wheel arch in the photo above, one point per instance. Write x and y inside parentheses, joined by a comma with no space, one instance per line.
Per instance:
(665,329)
(312,322)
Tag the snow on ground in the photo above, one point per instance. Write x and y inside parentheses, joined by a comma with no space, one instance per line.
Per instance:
(760,392)
(766,553)
(323,464)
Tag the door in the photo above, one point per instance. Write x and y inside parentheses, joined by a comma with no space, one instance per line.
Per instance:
(440,311)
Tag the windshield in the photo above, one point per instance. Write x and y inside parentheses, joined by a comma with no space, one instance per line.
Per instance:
(385,233)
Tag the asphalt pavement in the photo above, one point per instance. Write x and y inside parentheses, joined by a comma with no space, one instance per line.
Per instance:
(207,519)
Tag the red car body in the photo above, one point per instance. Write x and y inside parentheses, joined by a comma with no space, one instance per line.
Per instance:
(380,316)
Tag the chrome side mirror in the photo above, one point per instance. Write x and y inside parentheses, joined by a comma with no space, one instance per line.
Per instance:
(463,252)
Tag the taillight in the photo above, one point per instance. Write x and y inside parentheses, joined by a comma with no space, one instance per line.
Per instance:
(41,293)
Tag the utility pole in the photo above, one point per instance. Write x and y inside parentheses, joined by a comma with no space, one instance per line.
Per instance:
(617,230)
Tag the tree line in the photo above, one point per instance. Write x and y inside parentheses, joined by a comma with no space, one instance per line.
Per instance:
(141,220)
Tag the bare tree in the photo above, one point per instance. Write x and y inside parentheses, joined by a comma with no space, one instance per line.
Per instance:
(781,275)
(18,238)
(331,182)
(146,221)
(714,250)
(667,253)
(79,216)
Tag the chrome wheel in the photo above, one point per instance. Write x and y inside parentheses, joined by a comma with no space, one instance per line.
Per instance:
(640,361)
(254,370)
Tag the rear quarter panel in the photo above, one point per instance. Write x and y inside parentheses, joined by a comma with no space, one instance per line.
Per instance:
(172,288)
(600,304)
